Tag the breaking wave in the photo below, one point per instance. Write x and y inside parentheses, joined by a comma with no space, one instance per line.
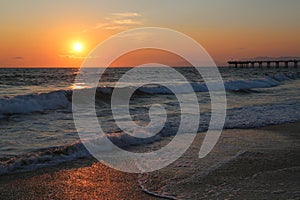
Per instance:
(62,99)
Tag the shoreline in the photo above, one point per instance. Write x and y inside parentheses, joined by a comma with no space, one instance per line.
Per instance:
(273,150)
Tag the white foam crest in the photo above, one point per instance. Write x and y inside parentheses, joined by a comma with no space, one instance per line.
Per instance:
(234,85)
(44,158)
(34,103)
(56,155)
(262,115)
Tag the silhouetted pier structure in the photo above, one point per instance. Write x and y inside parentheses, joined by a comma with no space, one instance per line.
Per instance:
(267,63)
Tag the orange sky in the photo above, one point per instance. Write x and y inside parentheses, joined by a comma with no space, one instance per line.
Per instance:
(140,57)
(42,33)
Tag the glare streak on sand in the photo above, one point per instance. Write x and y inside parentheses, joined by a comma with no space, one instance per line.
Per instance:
(81,179)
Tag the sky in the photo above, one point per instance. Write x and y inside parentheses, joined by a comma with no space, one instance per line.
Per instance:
(43,33)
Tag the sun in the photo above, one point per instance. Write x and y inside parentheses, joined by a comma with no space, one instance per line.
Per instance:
(77,47)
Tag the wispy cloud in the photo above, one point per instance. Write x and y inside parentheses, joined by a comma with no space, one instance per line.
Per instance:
(17,58)
(127,22)
(118,21)
(100,25)
(127,14)
(72,56)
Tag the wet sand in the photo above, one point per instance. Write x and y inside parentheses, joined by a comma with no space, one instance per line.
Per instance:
(246,164)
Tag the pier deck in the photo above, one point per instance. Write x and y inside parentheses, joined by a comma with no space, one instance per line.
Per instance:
(267,63)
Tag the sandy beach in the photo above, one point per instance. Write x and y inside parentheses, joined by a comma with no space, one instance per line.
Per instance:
(259,163)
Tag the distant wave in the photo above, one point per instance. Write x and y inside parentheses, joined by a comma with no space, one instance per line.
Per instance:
(62,99)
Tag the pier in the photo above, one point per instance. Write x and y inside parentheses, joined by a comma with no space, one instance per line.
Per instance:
(266,63)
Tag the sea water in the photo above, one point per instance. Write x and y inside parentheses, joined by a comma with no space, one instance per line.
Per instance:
(36,121)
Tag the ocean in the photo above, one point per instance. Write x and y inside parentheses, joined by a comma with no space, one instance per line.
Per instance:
(36,121)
